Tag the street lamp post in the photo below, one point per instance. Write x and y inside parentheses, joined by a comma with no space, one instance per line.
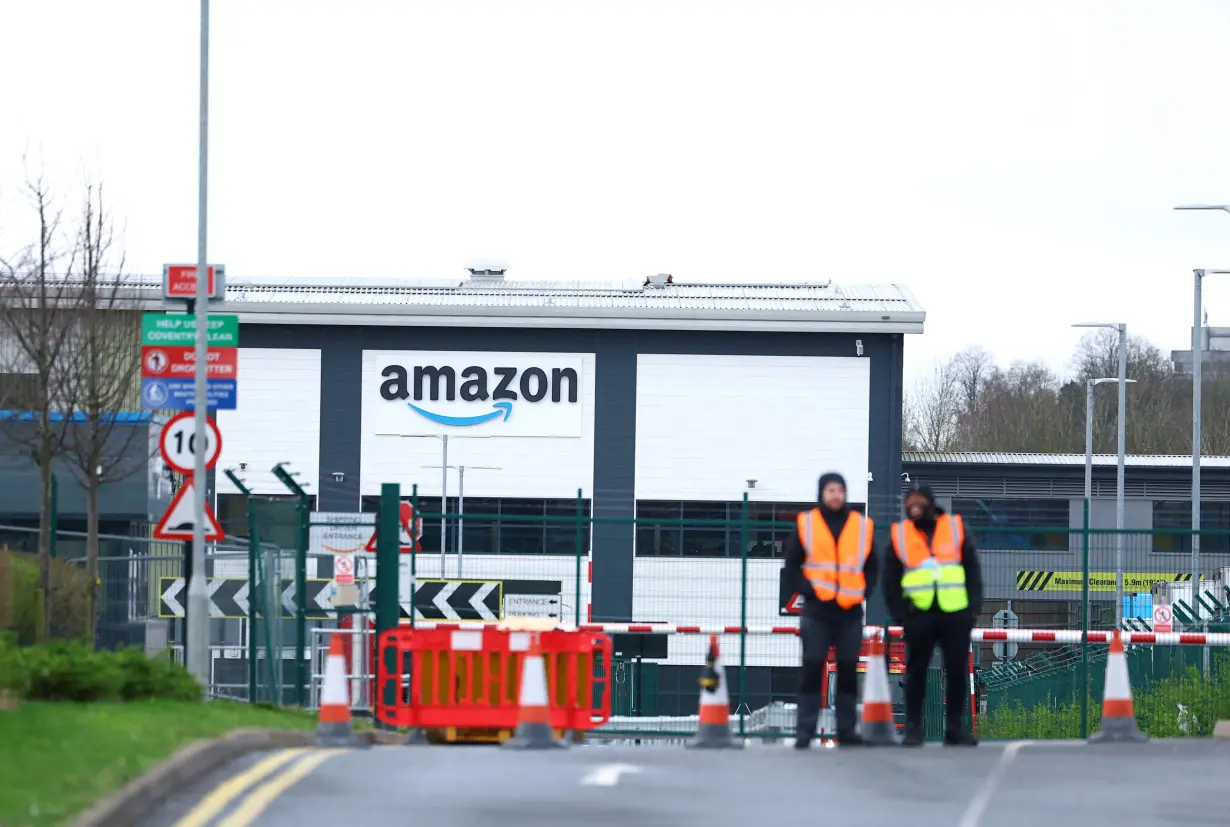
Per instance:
(461,502)
(1197,370)
(1090,385)
(1121,329)
(196,633)
(443,466)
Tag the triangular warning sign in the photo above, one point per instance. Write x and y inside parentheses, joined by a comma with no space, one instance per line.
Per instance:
(795,604)
(410,528)
(178,522)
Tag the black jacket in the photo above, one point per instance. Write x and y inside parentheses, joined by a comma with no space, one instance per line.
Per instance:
(796,556)
(898,607)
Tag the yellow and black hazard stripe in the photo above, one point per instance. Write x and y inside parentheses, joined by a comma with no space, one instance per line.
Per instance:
(1033,581)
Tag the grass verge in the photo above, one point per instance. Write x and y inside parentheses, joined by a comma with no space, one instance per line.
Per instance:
(57,759)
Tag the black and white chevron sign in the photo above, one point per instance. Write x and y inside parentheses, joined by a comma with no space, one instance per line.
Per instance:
(458,600)
(230,598)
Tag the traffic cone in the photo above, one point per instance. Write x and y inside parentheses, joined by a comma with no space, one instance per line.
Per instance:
(714,730)
(1118,713)
(534,716)
(877,723)
(333,727)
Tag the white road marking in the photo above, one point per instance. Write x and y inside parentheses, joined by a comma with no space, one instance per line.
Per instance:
(978,804)
(607,775)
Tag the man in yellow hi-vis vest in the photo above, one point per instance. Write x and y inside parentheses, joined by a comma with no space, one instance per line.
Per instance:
(933,588)
(829,561)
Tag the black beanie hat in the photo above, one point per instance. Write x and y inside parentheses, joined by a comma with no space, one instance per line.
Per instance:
(923,491)
(825,479)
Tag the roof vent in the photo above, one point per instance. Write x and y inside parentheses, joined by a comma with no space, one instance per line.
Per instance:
(487,269)
(659,280)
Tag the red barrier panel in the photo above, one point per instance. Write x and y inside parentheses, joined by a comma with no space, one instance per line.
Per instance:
(470,678)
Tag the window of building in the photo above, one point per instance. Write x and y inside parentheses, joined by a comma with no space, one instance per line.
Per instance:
(1171,517)
(503,526)
(1016,525)
(713,529)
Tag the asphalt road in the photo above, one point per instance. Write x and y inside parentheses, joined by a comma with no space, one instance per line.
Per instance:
(1019,784)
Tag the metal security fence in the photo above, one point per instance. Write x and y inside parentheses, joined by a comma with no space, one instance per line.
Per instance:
(721,572)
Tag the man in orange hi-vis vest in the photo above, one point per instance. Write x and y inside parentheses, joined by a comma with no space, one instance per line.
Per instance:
(830,562)
(933,588)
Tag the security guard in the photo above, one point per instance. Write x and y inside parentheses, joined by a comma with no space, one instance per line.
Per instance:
(830,562)
(933,588)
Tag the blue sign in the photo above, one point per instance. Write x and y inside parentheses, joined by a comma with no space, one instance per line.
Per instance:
(180,394)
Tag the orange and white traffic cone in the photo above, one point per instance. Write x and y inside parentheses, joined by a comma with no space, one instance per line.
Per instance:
(877,728)
(534,729)
(714,729)
(333,728)
(1118,712)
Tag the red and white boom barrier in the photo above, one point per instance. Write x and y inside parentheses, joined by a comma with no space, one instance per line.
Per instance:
(1064,636)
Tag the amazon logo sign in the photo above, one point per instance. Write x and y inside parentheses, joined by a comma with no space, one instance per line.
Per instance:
(514,395)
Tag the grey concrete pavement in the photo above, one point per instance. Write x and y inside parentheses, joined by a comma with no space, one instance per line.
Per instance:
(992,786)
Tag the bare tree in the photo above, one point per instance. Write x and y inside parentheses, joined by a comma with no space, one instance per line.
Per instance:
(973,367)
(1026,408)
(101,375)
(1019,410)
(932,410)
(36,311)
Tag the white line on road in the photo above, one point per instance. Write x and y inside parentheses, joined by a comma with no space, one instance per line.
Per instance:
(978,805)
(607,775)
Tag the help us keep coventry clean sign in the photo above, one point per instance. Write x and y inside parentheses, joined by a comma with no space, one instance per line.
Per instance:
(426,393)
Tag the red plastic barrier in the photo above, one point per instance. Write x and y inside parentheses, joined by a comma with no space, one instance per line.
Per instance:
(471,678)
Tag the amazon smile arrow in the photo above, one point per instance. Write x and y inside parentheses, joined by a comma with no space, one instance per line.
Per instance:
(500,409)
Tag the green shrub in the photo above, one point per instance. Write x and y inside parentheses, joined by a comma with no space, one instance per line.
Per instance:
(158,677)
(71,671)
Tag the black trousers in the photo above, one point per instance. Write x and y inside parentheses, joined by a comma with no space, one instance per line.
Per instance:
(844,632)
(923,632)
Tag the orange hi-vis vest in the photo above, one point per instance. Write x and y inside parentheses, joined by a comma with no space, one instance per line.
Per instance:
(933,572)
(834,566)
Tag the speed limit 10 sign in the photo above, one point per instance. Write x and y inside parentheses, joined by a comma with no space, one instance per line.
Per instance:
(178,443)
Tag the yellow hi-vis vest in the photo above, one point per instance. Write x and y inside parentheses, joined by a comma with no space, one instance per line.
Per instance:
(834,566)
(932,569)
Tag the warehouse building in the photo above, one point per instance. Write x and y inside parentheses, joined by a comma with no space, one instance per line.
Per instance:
(656,399)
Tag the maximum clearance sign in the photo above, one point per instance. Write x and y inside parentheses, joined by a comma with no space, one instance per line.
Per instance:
(1099,581)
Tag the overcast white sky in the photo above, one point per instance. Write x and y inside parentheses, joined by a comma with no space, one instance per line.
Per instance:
(1014,164)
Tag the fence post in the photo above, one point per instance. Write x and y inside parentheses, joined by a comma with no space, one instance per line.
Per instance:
(1085,623)
(580,554)
(387,558)
(303,510)
(414,506)
(743,614)
(254,545)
